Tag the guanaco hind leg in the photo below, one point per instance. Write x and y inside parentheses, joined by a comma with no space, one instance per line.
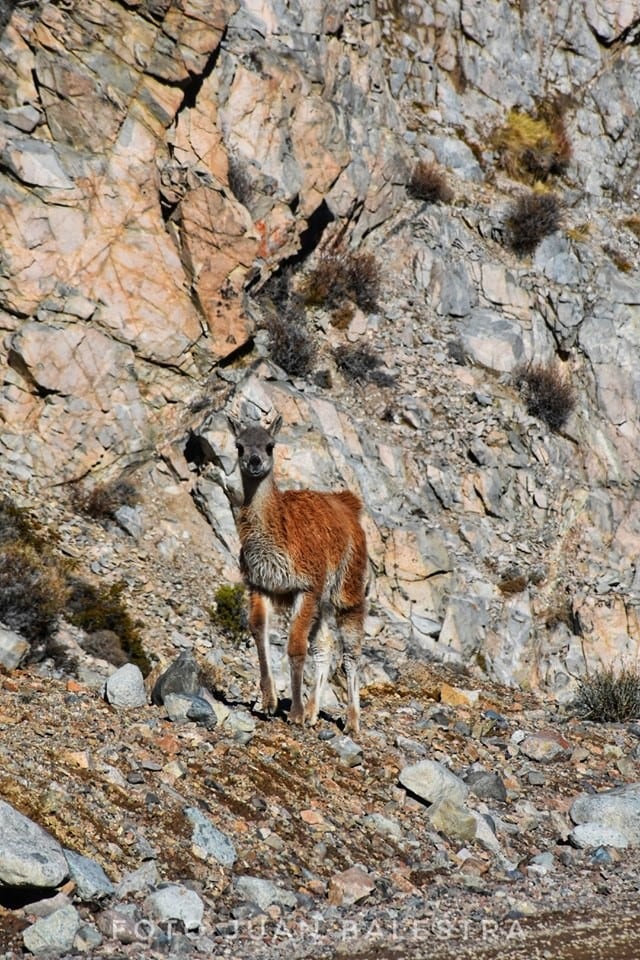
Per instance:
(351,626)
(321,647)
(259,626)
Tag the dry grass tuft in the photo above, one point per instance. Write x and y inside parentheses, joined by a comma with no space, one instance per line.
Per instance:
(533,148)
(428,183)
(343,275)
(547,393)
(531,218)
(102,501)
(609,695)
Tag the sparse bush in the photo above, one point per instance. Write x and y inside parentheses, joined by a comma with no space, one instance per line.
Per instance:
(230,614)
(547,393)
(95,610)
(533,148)
(32,580)
(361,364)
(32,591)
(106,645)
(103,500)
(291,344)
(609,695)
(343,275)
(531,218)
(428,183)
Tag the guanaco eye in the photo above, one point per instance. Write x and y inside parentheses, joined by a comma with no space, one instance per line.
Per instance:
(240,448)
(269,448)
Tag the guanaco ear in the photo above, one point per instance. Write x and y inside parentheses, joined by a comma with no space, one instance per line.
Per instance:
(235,425)
(274,429)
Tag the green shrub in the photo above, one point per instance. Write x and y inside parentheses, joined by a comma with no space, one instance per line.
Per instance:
(428,183)
(547,393)
(609,695)
(531,218)
(94,610)
(230,612)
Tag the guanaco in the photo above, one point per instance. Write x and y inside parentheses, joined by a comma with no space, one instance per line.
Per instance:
(304,550)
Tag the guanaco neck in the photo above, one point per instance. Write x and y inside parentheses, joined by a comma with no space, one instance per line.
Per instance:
(257,490)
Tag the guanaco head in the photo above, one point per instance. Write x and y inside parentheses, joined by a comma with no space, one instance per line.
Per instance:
(255,448)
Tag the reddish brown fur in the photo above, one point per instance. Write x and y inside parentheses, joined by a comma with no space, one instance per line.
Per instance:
(305,549)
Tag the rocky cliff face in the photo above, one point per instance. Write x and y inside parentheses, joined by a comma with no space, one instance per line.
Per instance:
(159,161)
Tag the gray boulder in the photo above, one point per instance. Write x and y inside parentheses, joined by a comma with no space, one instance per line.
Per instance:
(432,781)
(91,881)
(180,677)
(618,809)
(29,856)
(125,687)
(175,902)
(53,935)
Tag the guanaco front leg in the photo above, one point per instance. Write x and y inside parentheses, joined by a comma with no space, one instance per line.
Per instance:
(259,626)
(303,621)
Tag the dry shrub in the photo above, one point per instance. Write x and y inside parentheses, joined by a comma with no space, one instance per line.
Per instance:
(609,695)
(547,393)
(361,364)
(33,592)
(291,344)
(32,579)
(533,148)
(531,218)
(343,275)
(428,183)
(102,609)
(632,223)
(617,257)
(103,500)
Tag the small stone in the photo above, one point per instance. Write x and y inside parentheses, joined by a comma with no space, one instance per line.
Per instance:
(208,841)
(350,886)
(264,893)
(91,881)
(587,835)
(176,902)
(543,749)
(13,648)
(135,777)
(125,687)
(349,753)
(53,934)
(486,785)
(181,676)
(431,781)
